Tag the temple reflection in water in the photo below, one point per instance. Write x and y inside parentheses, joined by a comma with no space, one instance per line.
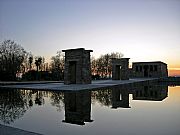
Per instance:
(77,107)
(76,104)
(120,98)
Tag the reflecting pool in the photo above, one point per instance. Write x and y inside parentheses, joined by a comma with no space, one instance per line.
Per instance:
(137,110)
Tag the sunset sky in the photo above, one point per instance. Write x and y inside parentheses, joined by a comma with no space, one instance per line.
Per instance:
(143,30)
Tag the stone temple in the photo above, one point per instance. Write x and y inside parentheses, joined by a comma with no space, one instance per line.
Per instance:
(149,69)
(77,66)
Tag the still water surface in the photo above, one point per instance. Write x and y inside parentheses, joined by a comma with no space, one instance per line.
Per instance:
(142,110)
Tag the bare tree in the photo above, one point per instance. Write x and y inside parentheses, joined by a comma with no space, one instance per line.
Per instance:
(12,56)
(102,65)
(57,66)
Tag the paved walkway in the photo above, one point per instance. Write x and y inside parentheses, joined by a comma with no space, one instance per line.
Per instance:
(6,130)
(62,87)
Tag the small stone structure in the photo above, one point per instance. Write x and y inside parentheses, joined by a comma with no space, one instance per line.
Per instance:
(77,66)
(149,69)
(120,69)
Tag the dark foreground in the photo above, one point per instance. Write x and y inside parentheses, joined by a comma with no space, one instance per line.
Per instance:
(6,130)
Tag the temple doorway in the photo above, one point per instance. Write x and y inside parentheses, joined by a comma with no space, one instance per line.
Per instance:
(118,72)
(72,72)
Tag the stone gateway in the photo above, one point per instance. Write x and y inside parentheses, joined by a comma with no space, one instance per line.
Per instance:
(77,66)
(120,69)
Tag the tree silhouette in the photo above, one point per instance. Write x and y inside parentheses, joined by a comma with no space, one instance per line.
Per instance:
(57,66)
(12,56)
(30,62)
(38,62)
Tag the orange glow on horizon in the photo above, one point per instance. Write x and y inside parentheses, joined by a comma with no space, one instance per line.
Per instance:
(174,72)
